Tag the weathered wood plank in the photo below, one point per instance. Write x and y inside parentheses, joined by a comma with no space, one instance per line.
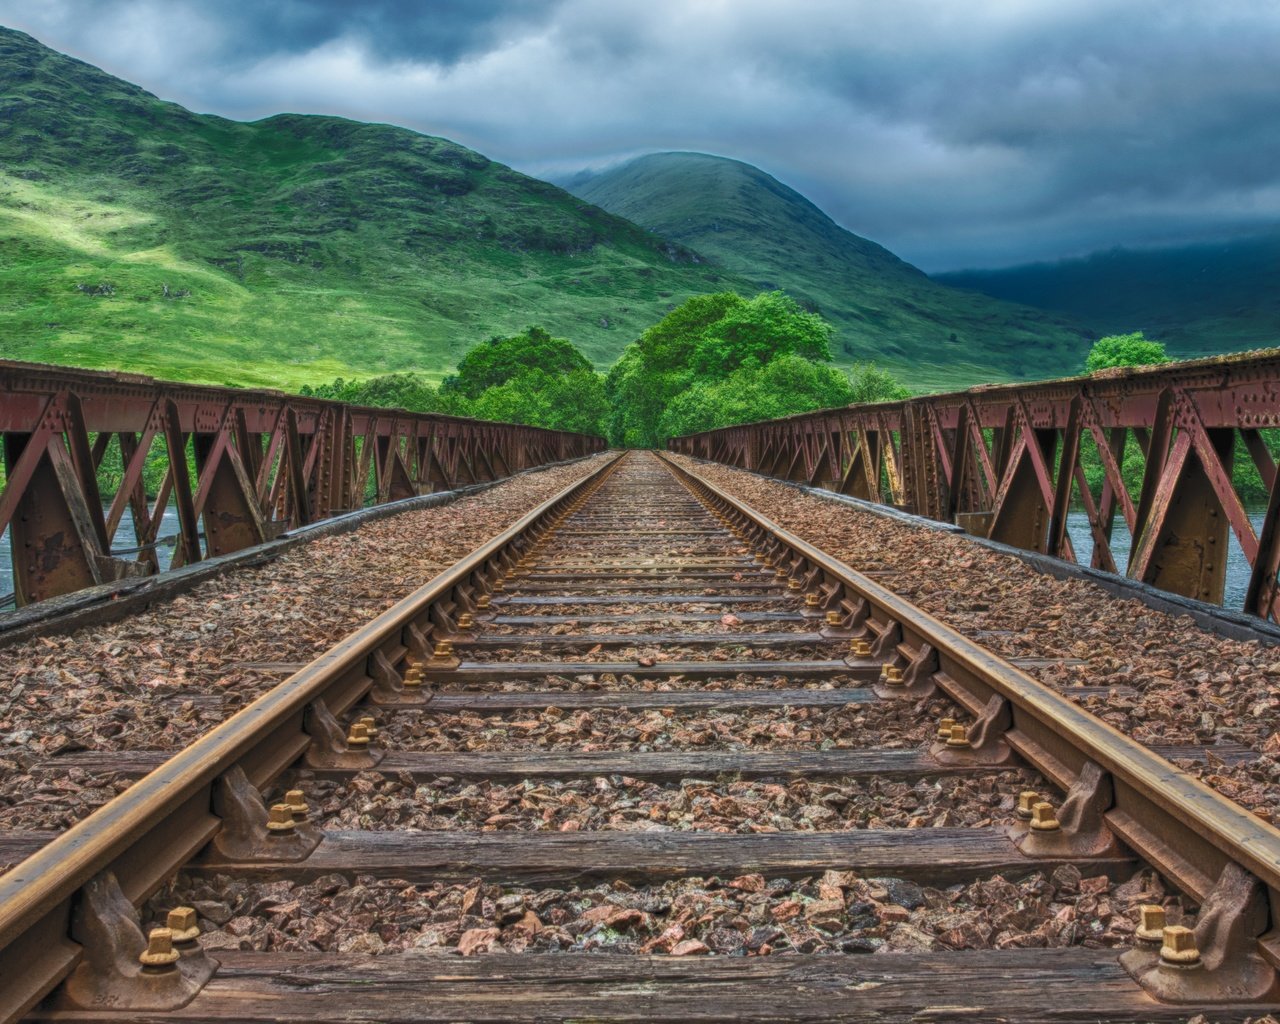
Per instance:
(639,700)
(937,856)
(635,639)
(1032,986)
(502,671)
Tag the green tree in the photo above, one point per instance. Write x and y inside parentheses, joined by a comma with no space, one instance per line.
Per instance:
(409,391)
(561,401)
(1124,350)
(868,383)
(704,341)
(499,360)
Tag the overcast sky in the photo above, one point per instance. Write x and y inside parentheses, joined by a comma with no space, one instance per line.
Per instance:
(955,132)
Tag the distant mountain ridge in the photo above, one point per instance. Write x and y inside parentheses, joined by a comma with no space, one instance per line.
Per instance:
(752,225)
(136,234)
(1199,299)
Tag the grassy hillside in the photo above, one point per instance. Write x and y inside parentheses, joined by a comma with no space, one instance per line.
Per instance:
(293,249)
(1199,299)
(883,308)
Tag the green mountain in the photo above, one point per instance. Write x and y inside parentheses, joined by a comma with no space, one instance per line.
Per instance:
(751,224)
(1198,299)
(135,234)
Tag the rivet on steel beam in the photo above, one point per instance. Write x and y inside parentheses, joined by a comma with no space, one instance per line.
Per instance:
(358,737)
(959,737)
(860,647)
(1027,799)
(370,726)
(280,820)
(812,599)
(159,954)
(181,921)
(1179,947)
(834,618)
(466,620)
(296,801)
(944,728)
(1042,817)
(1151,924)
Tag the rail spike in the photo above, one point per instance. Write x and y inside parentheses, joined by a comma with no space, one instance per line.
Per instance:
(110,974)
(247,836)
(1079,827)
(329,747)
(984,739)
(1228,967)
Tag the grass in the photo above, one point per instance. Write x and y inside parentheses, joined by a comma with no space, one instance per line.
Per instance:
(309,247)
(883,309)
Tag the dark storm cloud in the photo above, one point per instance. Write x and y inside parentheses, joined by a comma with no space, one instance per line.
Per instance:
(956,133)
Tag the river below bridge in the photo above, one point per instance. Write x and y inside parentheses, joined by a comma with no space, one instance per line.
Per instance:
(1077,527)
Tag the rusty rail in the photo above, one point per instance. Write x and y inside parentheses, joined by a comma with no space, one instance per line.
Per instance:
(143,836)
(245,465)
(1116,787)
(1004,462)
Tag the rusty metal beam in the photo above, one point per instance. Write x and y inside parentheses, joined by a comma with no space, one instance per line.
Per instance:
(1187,419)
(58,423)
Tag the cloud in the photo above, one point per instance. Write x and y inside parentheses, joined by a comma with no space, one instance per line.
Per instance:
(955,133)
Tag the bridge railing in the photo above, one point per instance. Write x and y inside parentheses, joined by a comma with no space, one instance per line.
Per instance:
(1005,462)
(240,467)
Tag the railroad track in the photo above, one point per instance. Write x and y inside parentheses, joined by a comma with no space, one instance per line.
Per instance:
(638,649)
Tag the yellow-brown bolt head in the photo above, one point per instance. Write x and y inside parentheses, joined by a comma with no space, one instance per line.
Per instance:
(944,728)
(1043,817)
(358,736)
(1179,946)
(1027,799)
(159,953)
(181,921)
(1151,923)
(959,738)
(280,819)
(834,618)
(297,803)
(812,599)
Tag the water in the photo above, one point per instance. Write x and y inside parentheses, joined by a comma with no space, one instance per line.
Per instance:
(1237,565)
(125,539)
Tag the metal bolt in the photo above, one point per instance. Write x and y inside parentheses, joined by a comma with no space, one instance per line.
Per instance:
(358,737)
(280,820)
(794,584)
(758,556)
(159,952)
(499,586)
(812,599)
(1150,923)
(1027,799)
(1179,947)
(780,571)
(890,674)
(466,620)
(370,726)
(834,618)
(413,676)
(482,602)
(296,801)
(860,647)
(1042,819)
(944,728)
(959,737)
(443,649)
(181,921)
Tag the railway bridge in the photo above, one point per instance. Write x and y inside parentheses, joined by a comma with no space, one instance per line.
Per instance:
(322,713)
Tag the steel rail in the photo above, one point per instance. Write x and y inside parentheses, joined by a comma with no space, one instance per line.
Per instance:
(1182,827)
(148,832)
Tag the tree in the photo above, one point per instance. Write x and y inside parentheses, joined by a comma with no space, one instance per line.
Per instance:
(498,360)
(868,383)
(1124,350)
(704,341)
